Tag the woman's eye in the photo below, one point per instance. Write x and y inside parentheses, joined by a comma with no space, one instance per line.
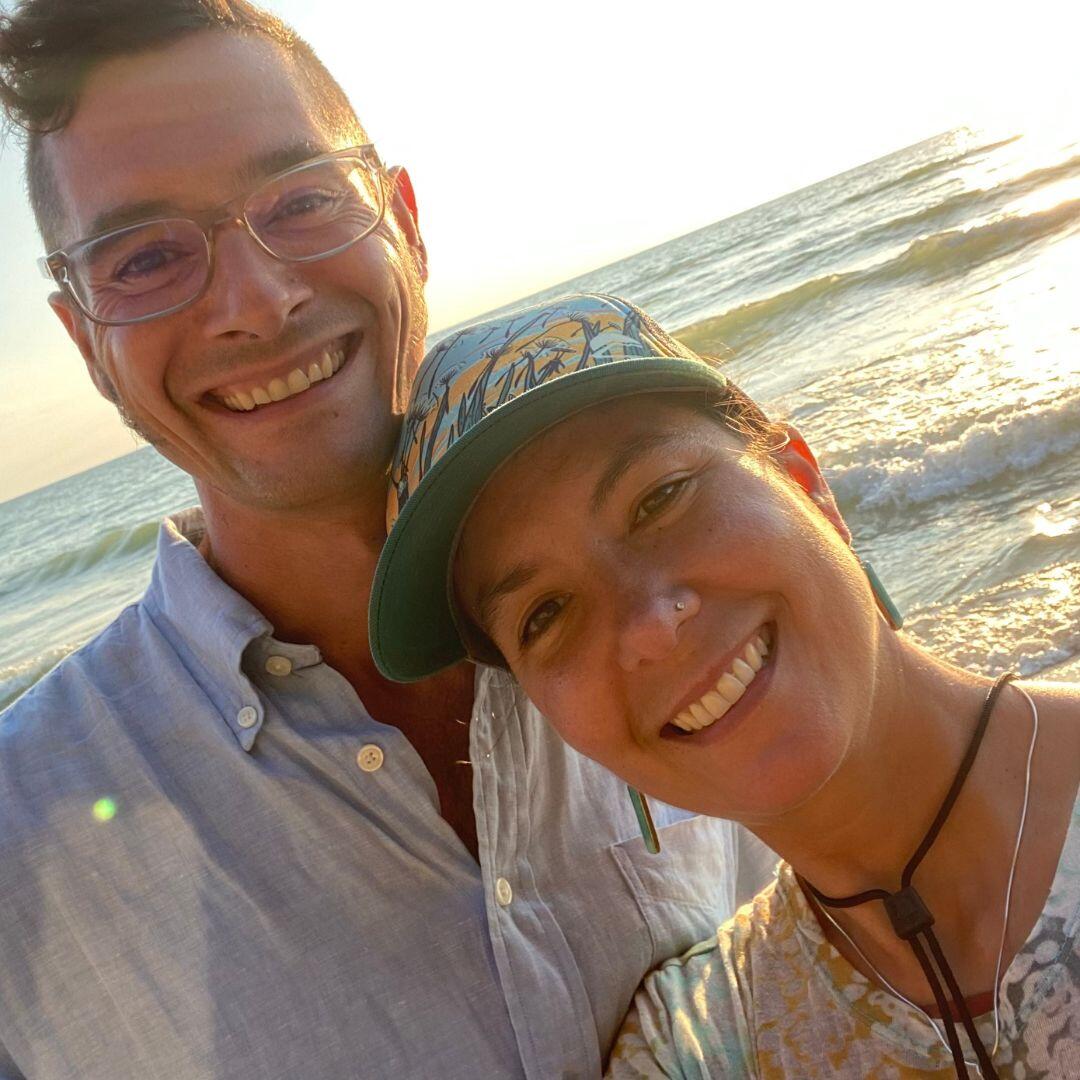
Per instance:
(657,499)
(540,618)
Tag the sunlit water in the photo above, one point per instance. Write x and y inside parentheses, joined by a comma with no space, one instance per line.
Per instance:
(917,318)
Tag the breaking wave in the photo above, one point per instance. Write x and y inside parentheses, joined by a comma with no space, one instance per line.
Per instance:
(929,258)
(1017,439)
(114,543)
(931,168)
(967,203)
(17,678)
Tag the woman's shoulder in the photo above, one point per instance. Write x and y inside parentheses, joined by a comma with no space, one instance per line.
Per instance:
(1057,701)
(760,926)
(696,1009)
(1056,762)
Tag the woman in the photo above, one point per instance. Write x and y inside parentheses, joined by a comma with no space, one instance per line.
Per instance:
(581,499)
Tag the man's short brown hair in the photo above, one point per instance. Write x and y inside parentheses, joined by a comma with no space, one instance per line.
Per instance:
(48,49)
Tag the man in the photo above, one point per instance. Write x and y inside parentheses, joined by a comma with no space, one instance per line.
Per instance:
(227,846)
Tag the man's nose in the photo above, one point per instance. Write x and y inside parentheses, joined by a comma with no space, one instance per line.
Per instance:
(251,294)
(649,624)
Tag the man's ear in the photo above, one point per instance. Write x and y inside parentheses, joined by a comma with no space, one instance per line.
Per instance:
(403,207)
(78,328)
(797,460)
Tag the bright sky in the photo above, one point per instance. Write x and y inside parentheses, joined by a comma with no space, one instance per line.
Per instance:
(547,140)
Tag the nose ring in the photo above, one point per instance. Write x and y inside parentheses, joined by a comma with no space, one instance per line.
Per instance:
(680,605)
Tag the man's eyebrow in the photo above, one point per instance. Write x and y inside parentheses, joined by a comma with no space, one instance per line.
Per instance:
(116,217)
(492,596)
(250,172)
(277,160)
(623,459)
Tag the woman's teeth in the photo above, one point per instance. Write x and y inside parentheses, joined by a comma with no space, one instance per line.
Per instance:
(295,383)
(728,690)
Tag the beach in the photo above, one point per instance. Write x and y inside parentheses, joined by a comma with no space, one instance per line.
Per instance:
(914,317)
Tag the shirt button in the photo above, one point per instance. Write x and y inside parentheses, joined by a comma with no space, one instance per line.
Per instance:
(503,893)
(247,717)
(279,665)
(370,758)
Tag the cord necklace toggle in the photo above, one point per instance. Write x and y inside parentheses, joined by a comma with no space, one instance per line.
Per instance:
(913,921)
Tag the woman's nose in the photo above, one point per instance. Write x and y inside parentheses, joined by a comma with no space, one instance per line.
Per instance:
(649,629)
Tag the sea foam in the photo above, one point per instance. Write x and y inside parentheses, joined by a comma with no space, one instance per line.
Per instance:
(1018,438)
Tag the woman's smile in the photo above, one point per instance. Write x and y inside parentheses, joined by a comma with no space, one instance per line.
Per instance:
(725,693)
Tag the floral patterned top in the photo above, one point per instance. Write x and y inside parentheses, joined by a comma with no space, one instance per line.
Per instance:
(769,997)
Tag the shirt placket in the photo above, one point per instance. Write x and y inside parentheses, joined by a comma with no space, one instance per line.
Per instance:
(552,1017)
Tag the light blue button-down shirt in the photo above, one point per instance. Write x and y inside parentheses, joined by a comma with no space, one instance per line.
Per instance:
(215,864)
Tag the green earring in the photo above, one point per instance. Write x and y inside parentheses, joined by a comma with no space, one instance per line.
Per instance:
(645,821)
(884,600)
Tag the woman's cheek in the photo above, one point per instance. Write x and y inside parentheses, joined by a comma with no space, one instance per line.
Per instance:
(570,707)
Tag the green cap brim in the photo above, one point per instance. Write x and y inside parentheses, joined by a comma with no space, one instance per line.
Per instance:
(410,621)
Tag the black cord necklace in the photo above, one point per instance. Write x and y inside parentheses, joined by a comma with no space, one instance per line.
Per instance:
(912,919)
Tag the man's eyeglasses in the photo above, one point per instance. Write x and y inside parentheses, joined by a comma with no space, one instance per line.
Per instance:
(308,212)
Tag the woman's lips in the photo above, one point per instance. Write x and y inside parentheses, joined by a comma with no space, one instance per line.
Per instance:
(736,690)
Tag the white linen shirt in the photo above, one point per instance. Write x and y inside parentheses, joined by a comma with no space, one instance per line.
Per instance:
(215,864)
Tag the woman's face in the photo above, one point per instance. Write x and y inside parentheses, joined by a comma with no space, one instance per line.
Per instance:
(630,563)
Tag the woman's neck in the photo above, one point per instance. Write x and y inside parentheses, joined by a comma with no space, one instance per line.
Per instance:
(861,828)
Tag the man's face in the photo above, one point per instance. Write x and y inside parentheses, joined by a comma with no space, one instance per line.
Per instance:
(187,128)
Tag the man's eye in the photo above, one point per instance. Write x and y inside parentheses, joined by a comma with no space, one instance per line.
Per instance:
(147,262)
(657,499)
(303,204)
(540,618)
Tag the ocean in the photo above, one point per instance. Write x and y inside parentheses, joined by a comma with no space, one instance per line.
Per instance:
(916,318)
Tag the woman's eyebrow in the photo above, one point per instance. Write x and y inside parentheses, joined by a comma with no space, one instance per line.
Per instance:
(622,459)
(492,596)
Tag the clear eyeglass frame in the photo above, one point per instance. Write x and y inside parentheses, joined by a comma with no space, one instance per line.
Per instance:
(55,265)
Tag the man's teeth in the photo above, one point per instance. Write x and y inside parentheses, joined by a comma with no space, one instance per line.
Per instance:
(296,382)
(728,690)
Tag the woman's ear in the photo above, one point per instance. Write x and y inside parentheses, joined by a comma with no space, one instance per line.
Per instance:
(798,462)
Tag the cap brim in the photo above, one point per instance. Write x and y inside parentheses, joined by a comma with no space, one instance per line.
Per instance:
(410,622)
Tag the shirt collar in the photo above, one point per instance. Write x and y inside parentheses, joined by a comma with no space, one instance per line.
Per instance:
(206,622)
(212,627)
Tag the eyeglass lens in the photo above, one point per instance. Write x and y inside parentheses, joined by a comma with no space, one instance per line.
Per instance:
(149,269)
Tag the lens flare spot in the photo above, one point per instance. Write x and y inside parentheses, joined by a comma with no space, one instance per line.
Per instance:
(104,810)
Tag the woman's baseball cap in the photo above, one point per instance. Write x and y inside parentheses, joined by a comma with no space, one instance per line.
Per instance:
(479,396)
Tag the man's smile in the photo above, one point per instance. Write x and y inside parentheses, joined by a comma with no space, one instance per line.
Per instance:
(291,377)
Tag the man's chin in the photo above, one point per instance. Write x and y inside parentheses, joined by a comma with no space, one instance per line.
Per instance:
(319,469)
(291,491)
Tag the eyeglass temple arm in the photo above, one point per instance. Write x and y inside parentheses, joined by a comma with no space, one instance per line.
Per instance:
(52,267)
